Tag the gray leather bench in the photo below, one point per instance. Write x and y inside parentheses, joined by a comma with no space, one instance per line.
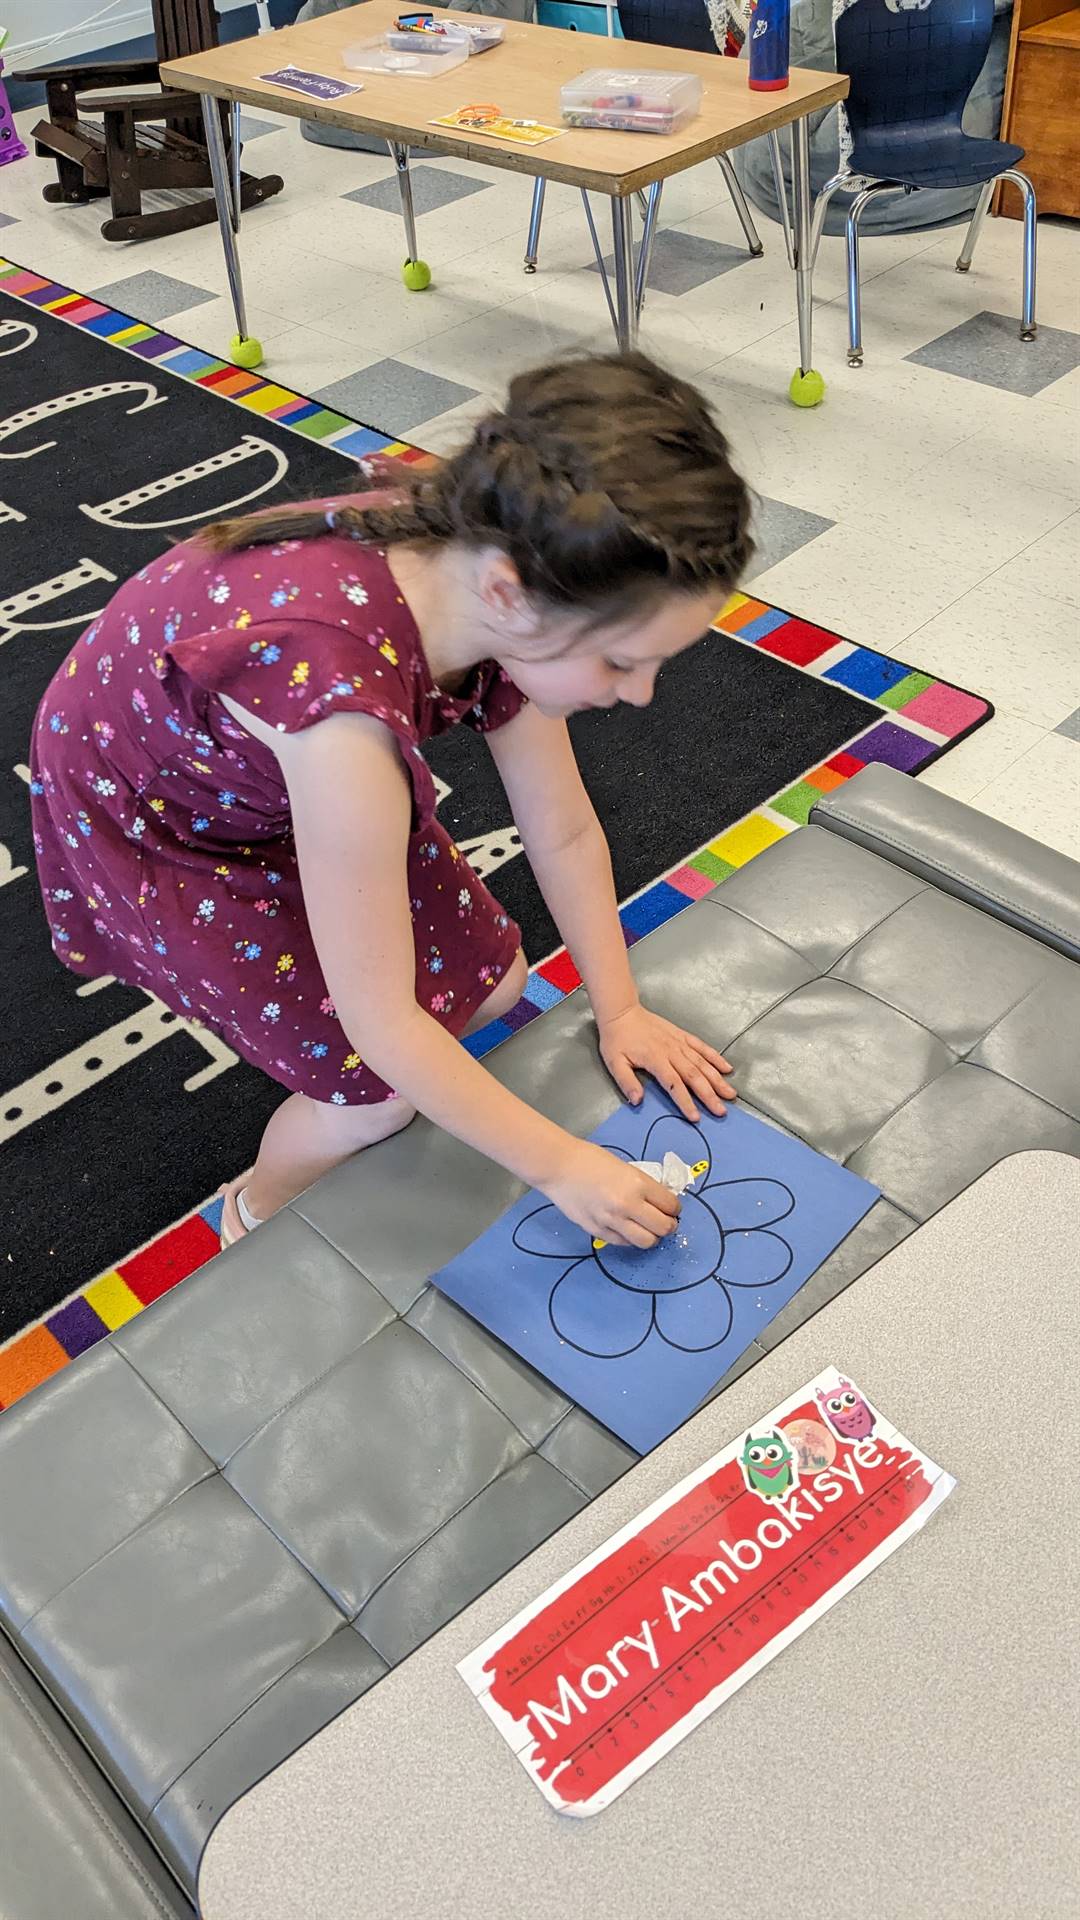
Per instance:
(224,1523)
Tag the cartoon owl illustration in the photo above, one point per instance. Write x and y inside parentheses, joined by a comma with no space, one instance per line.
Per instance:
(769,1465)
(846,1411)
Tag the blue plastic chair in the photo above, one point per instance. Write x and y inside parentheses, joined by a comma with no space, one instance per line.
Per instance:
(911,72)
(668,24)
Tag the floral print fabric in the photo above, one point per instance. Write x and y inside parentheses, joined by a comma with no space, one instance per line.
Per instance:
(162,828)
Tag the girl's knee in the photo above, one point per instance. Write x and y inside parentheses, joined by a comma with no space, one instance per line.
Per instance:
(506,994)
(359,1127)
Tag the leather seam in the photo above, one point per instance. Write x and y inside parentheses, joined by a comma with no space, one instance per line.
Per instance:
(565,1471)
(788,994)
(308,1387)
(344,1626)
(421,1544)
(711,899)
(940,866)
(879,1000)
(875,927)
(979,1066)
(98,1813)
(957,1061)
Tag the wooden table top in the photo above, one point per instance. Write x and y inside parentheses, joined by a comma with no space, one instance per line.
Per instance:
(522,77)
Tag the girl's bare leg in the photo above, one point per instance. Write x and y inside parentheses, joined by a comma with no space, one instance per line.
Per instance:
(304,1138)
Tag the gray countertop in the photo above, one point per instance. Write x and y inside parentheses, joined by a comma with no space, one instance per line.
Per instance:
(915,1752)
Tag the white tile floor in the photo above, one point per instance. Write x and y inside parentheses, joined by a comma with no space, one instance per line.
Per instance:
(956,503)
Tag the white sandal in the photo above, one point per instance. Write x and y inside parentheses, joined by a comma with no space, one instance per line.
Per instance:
(232,1226)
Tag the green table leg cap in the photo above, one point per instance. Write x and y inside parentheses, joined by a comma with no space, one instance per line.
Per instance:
(247,352)
(807,389)
(416,275)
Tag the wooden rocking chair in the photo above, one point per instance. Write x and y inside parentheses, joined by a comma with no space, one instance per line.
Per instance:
(138,141)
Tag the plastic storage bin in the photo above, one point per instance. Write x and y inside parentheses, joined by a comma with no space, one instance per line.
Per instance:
(577,16)
(429,54)
(645,102)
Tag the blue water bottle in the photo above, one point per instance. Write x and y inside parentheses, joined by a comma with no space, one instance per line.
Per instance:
(770,39)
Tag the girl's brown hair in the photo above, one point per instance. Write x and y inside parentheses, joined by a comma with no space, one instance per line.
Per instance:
(605,480)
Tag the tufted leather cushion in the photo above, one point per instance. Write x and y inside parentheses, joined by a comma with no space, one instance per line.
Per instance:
(225,1522)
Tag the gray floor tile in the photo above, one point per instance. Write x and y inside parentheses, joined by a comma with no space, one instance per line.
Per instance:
(151,296)
(252,129)
(780,530)
(1070,727)
(682,261)
(8,220)
(988,348)
(394,397)
(432,189)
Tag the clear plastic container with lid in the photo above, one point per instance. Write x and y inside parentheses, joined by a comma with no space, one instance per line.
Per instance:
(645,102)
(424,54)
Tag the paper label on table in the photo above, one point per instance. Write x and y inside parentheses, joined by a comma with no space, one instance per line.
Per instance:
(317,86)
(620,1660)
(524,133)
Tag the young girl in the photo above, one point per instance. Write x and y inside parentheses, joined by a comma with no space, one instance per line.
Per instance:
(232,808)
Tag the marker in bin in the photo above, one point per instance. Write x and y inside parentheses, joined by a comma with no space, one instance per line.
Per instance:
(770,39)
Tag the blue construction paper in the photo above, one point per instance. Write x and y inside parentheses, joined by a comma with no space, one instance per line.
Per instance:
(638,1339)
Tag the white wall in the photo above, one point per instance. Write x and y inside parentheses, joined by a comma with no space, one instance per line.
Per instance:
(30,23)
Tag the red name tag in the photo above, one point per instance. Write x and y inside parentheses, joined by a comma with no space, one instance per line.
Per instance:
(622,1658)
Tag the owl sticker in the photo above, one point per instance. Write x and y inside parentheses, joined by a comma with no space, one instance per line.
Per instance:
(768,1465)
(846,1411)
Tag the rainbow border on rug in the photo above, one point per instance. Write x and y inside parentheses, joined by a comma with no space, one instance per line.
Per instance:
(250,390)
(915,719)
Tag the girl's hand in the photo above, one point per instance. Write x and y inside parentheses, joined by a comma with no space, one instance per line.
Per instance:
(682,1064)
(612,1200)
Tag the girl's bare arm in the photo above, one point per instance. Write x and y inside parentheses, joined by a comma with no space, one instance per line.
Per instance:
(569,856)
(352,817)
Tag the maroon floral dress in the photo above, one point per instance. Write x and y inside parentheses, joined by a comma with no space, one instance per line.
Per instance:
(164,842)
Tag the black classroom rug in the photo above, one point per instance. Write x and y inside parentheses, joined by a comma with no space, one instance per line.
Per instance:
(115,1126)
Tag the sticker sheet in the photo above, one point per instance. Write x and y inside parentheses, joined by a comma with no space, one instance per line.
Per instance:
(625,1656)
(316,86)
(640,1338)
(523,133)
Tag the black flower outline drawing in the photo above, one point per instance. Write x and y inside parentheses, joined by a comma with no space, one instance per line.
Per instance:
(724,1240)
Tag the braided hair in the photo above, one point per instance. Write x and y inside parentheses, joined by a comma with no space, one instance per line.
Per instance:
(605,480)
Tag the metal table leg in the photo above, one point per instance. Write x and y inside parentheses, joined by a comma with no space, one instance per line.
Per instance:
(644,259)
(245,349)
(536,214)
(622,227)
(807,387)
(598,252)
(739,202)
(416,273)
(234,158)
(781,196)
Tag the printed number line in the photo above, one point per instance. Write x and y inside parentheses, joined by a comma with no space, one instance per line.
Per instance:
(719,1508)
(716,1630)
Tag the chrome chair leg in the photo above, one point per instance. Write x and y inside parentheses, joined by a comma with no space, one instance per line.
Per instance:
(1028,328)
(536,214)
(855,352)
(971,237)
(782,196)
(738,200)
(821,208)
